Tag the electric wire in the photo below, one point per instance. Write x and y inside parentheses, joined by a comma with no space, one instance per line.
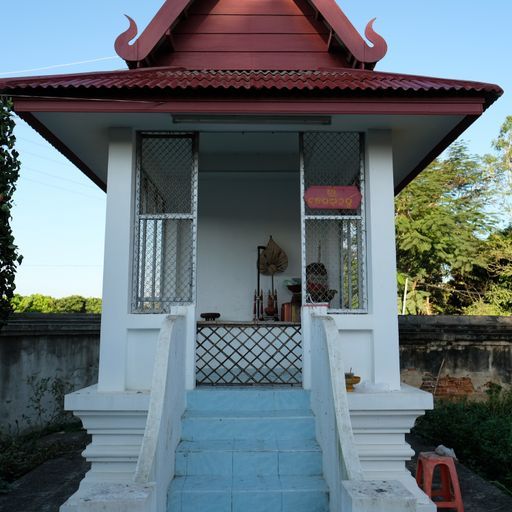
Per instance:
(46,146)
(53,160)
(32,169)
(58,266)
(61,188)
(56,66)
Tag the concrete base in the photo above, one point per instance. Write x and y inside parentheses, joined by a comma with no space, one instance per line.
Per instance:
(376,496)
(380,422)
(111,498)
(116,422)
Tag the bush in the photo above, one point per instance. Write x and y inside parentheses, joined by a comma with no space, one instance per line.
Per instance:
(479,432)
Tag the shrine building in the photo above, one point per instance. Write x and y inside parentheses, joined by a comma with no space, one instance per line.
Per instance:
(250,154)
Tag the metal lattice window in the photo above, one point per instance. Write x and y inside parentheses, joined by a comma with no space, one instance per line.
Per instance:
(334,245)
(248,354)
(165,222)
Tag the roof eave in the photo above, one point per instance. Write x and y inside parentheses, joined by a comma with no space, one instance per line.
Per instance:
(451,137)
(469,108)
(57,143)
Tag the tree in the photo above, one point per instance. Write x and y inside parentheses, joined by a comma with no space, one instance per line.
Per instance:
(503,161)
(93,305)
(444,219)
(71,304)
(9,173)
(492,283)
(37,303)
(499,164)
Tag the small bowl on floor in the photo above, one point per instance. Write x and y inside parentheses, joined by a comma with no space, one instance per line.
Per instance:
(210,317)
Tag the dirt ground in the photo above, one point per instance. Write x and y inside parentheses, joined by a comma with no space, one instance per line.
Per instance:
(478,494)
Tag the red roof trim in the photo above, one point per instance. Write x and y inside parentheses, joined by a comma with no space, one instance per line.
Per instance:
(349,36)
(152,35)
(160,26)
(258,105)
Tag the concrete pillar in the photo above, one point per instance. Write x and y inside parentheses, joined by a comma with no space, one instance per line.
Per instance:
(382,291)
(117,260)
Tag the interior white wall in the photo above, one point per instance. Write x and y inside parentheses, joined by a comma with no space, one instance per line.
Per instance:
(237,212)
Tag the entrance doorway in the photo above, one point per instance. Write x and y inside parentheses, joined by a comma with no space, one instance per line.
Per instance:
(249,190)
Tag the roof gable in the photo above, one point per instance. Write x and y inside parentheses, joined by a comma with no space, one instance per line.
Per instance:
(250,34)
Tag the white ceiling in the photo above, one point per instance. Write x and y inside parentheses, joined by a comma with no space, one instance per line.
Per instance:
(246,147)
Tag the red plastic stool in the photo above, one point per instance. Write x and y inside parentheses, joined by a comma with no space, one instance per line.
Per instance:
(450,489)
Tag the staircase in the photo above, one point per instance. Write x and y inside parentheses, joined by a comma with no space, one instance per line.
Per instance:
(248,450)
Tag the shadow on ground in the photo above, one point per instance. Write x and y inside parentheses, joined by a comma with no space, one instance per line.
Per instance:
(48,486)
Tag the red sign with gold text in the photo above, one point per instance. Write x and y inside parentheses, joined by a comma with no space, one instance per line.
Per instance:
(333,198)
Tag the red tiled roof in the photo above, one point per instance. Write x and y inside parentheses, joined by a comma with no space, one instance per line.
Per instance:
(175,79)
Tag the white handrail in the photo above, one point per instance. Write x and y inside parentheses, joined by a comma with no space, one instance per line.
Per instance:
(155,418)
(350,457)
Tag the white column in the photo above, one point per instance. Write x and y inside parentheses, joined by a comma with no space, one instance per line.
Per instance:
(382,291)
(116,273)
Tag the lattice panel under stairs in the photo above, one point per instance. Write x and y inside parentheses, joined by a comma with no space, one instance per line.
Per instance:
(237,354)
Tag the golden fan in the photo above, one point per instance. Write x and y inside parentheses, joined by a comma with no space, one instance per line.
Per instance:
(273,259)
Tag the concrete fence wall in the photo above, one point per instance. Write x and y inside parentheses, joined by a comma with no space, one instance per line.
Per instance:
(455,356)
(43,356)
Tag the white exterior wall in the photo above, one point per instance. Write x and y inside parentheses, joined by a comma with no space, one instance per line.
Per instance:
(237,212)
(370,341)
(127,341)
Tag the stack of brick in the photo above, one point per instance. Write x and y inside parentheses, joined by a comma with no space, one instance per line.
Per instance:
(454,387)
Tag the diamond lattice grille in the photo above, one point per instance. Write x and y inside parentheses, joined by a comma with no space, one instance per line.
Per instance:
(234,355)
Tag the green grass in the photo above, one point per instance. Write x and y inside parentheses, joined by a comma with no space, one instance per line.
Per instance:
(479,432)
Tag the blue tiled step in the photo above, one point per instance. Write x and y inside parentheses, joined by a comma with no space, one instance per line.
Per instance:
(245,458)
(244,399)
(248,450)
(219,425)
(255,494)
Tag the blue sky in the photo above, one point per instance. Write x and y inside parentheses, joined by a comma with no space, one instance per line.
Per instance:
(59,215)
